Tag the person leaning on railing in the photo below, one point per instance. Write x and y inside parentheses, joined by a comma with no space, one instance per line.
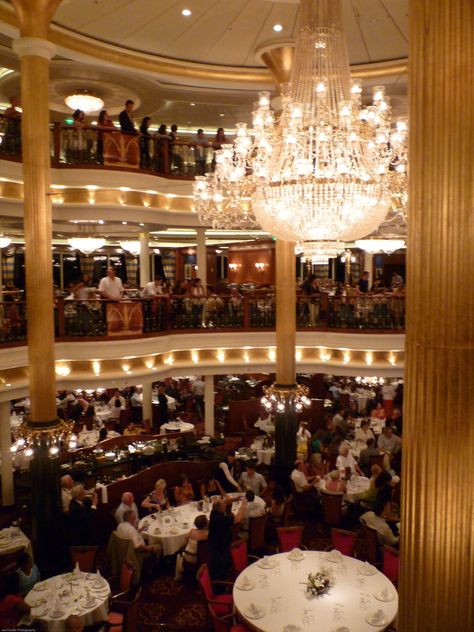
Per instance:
(104,123)
(111,286)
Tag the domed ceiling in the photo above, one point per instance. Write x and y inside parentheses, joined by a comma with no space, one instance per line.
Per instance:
(228,32)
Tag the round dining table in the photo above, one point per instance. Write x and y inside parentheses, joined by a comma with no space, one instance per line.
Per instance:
(52,601)
(171,528)
(176,426)
(355,486)
(13,539)
(271,595)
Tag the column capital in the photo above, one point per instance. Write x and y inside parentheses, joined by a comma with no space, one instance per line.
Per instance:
(34,46)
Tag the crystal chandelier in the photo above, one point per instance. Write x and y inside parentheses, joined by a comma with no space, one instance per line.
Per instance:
(280,399)
(319,252)
(375,245)
(87,245)
(4,241)
(133,247)
(322,170)
(84,101)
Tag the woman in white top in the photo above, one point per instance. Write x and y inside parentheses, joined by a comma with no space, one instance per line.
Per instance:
(364,433)
(199,533)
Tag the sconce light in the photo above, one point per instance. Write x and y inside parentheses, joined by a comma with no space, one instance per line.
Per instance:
(260,265)
(234,266)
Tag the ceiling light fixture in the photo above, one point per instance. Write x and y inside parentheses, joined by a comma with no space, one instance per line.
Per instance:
(5,241)
(87,245)
(186,12)
(373,246)
(277,28)
(133,247)
(85,101)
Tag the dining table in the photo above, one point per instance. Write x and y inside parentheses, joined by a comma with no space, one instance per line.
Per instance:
(13,539)
(84,594)
(171,528)
(355,486)
(271,595)
(176,426)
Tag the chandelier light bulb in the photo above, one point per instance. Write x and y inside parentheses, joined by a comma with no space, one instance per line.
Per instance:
(87,245)
(373,246)
(84,101)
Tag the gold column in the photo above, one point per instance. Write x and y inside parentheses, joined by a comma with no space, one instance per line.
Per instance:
(285,312)
(437,563)
(35,52)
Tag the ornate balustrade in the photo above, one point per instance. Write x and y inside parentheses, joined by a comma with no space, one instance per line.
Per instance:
(137,317)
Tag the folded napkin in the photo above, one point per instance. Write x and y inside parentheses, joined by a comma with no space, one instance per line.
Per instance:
(254,609)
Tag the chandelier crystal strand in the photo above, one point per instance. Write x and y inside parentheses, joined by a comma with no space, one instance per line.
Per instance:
(319,252)
(322,172)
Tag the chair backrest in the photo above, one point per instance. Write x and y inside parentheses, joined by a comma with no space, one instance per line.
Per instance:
(331,459)
(238,552)
(344,541)
(204,580)
(257,533)
(126,575)
(332,508)
(130,615)
(85,557)
(202,553)
(286,512)
(289,538)
(391,563)
(372,539)
(218,624)
(377,459)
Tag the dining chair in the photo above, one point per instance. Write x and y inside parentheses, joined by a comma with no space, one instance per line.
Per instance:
(222,603)
(240,556)
(85,557)
(372,541)
(377,459)
(289,538)
(344,541)
(391,564)
(202,557)
(332,508)
(225,623)
(126,619)
(286,511)
(256,543)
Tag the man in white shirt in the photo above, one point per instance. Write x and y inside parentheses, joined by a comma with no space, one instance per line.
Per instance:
(389,442)
(302,482)
(127,504)
(345,460)
(198,394)
(115,396)
(111,287)
(256,508)
(252,480)
(153,288)
(128,531)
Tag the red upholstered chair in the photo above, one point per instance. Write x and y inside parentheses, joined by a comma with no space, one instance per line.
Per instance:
(225,623)
(373,549)
(257,526)
(286,511)
(240,556)
(223,603)
(289,538)
(332,508)
(85,556)
(120,587)
(344,541)
(126,621)
(391,564)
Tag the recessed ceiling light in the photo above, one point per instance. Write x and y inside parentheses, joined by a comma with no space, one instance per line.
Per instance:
(186,12)
(192,104)
(124,223)
(142,224)
(101,221)
(221,114)
(278,28)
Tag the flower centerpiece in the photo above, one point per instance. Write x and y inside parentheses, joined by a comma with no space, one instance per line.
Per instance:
(318,583)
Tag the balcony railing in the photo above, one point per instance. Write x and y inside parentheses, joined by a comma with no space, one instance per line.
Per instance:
(136,317)
(111,149)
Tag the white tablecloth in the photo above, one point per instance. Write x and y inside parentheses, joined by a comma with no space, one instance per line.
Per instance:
(171,528)
(71,598)
(88,438)
(103,414)
(264,455)
(281,591)
(13,539)
(176,426)
(355,486)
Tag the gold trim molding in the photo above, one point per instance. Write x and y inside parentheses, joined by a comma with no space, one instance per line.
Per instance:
(178,69)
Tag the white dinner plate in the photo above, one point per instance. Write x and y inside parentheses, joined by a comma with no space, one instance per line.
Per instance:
(255,614)
(384,596)
(248,585)
(57,615)
(370,618)
(40,587)
(367,570)
(296,558)
(335,559)
(292,628)
(266,564)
